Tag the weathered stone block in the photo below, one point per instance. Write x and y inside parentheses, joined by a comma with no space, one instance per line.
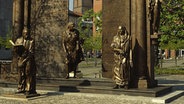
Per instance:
(115,13)
(48,20)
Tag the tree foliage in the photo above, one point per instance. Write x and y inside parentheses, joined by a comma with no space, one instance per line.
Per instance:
(98,21)
(4,41)
(85,26)
(171,25)
(1,42)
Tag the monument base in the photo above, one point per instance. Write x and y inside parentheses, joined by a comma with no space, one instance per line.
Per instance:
(78,74)
(104,86)
(21,95)
(142,84)
(147,83)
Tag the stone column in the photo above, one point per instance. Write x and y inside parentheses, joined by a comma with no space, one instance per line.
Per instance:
(26,13)
(150,46)
(141,61)
(48,21)
(18,19)
(139,45)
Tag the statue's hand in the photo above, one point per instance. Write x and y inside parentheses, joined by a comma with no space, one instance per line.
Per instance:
(20,64)
(124,60)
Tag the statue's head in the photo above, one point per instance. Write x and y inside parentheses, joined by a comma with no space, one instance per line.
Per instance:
(70,25)
(121,30)
(25,32)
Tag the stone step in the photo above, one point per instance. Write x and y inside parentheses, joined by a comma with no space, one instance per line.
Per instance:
(169,97)
(77,82)
(151,92)
(91,86)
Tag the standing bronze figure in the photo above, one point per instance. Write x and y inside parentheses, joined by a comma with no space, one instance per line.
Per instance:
(72,48)
(26,64)
(121,49)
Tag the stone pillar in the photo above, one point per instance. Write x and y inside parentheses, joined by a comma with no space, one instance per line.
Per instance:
(26,12)
(115,13)
(18,20)
(152,45)
(48,21)
(135,15)
(140,45)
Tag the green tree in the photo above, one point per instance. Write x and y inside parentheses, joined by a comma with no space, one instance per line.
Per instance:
(85,28)
(1,42)
(8,37)
(172,27)
(98,21)
(4,41)
(85,25)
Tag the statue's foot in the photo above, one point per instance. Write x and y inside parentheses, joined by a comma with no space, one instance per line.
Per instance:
(142,77)
(19,91)
(30,92)
(75,76)
(116,87)
(126,87)
(121,86)
(82,59)
(67,76)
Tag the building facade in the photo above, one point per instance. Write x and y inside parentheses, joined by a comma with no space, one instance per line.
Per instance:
(6,12)
(73,16)
(97,7)
(81,6)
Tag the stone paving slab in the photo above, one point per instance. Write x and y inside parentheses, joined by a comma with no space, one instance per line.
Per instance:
(168,98)
(54,97)
(51,97)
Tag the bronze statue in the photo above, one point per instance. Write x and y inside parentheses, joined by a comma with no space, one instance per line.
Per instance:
(155,6)
(72,48)
(121,49)
(26,64)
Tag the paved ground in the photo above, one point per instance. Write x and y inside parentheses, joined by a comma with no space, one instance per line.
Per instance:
(50,97)
(78,98)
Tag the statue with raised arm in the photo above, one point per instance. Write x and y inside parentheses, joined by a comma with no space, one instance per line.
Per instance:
(121,48)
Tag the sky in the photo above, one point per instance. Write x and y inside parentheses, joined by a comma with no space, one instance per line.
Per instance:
(71,5)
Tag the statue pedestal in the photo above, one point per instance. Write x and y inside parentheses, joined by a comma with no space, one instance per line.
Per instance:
(142,84)
(20,96)
(147,84)
(78,74)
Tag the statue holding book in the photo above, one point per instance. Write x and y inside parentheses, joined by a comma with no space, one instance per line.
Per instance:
(26,63)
